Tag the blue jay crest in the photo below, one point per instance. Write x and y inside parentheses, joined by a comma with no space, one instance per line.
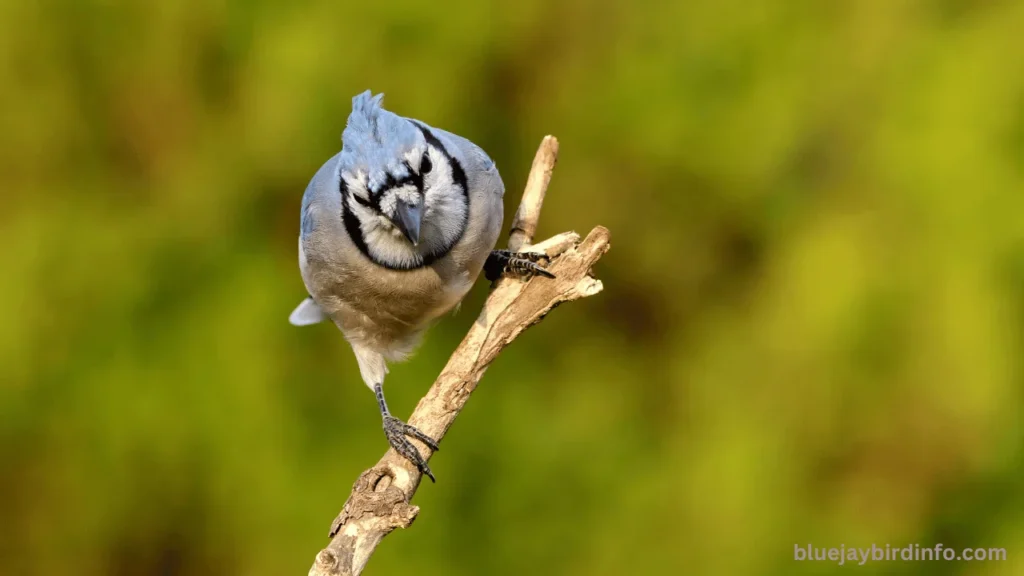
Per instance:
(376,141)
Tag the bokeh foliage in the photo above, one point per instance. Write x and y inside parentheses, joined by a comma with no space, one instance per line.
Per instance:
(811,330)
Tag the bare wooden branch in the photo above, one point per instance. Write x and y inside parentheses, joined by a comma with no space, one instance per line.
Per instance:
(380,498)
(524,224)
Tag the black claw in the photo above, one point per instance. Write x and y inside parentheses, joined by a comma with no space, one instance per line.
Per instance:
(541,271)
(396,432)
(520,264)
(424,469)
(419,435)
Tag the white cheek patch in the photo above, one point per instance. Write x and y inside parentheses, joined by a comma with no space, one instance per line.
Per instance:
(440,170)
(386,243)
(364,214)
(445,200)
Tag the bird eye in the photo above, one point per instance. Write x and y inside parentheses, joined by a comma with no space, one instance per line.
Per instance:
(425,165)
(362,201)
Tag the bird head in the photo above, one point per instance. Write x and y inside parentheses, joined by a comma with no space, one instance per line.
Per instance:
(405,197)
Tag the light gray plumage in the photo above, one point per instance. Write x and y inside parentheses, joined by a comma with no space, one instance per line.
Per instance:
(395,229)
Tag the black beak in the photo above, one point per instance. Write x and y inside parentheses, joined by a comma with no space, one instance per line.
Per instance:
(407,218)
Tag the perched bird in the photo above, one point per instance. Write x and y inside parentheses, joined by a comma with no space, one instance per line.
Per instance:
(394,230)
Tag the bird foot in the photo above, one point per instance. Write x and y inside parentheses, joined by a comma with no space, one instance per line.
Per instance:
(519,264)
(396,431)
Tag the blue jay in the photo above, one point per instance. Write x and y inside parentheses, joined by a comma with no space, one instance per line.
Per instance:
(394,231)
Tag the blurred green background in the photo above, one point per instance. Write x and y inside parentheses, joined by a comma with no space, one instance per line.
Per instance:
(811,329)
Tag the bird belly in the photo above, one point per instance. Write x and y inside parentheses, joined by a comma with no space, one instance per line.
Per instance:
(389,312)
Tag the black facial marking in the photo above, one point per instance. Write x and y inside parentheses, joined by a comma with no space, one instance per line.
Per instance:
(391,182)
(458,174)
(360,200)
(350,220)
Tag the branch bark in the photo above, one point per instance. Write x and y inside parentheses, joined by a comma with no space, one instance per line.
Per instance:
(380,498)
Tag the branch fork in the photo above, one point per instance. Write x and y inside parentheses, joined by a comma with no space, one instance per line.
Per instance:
(380,498)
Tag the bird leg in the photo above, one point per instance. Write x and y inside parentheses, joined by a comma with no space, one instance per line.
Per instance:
(396,431)
(520,264)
